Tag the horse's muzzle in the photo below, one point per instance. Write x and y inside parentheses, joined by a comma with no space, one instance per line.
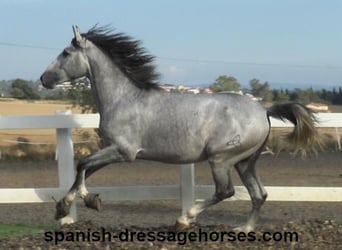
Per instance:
(46,81)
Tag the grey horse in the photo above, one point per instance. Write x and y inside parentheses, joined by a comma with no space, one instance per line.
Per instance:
(138,120)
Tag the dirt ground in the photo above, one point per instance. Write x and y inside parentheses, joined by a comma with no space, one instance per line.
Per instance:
(318,224)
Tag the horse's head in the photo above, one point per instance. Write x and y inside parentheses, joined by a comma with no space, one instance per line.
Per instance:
(70,65)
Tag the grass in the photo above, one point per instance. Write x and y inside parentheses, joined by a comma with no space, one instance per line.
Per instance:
(16,230)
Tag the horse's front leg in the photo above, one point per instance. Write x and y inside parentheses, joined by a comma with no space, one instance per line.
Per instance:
(95,161)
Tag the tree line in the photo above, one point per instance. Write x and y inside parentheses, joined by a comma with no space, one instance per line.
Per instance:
(80,94)
(264,92)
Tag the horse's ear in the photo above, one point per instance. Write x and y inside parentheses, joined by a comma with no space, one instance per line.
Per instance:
(77,36)
(77,33)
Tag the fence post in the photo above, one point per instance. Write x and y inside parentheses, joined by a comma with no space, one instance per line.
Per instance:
(65,159)
(338,138)
(187,186)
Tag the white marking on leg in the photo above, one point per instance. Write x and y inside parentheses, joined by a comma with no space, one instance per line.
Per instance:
(83,191)
(245,229)
(192,212)
(183,220)
(70,197)
(200,207)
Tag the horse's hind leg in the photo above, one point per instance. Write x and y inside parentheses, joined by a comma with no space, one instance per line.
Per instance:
(94,161)
(223,189)
(246,170)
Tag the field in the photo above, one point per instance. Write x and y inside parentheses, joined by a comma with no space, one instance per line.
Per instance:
(318,224)
(38,143)
(17,107)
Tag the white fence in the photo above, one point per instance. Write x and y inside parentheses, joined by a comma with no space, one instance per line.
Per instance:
(186,191)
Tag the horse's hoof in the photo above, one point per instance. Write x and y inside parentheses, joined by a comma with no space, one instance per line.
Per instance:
(180,226)
(245,229)
(92,201)
(62,209)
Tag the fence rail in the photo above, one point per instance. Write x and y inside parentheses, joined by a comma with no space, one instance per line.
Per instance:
(186,191)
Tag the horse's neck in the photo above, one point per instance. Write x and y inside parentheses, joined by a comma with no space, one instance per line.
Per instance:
(109,84)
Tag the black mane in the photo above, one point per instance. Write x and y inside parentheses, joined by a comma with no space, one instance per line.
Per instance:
(127,54)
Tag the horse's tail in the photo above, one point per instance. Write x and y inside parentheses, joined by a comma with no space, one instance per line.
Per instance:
(304,135)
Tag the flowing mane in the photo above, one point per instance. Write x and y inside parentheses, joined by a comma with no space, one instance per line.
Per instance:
(127,54)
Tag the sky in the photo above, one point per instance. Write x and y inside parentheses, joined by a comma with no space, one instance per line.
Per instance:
(289,43)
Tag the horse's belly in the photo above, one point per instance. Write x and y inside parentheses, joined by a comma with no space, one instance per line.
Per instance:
(171,155)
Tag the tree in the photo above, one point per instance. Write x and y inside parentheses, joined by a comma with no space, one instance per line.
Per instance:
(82,96)
(23,89)
(225,83)
(280,96)
(262,90)
(299,95)
(337,99)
